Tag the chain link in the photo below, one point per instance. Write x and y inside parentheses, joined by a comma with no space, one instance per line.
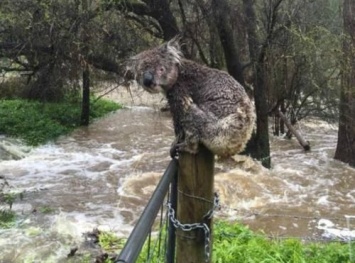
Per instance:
(189,227)
(216,206)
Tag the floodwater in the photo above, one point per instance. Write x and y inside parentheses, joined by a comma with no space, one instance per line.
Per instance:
(103,175)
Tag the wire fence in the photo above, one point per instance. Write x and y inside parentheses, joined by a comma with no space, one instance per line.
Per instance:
(153,237)
(156,248)
(163,246)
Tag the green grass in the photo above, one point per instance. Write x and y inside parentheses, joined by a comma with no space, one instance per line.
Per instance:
(110,242)
(7,218)
(37,123)
(235,243)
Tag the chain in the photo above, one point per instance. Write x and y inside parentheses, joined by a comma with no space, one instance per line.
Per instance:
(216,206)
(189,227)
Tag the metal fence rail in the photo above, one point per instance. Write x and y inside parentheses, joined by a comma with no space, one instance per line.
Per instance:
(135,242)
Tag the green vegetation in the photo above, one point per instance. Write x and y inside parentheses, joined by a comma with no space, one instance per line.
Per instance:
(46,209)
(235,243)
(9,198)
(110,242)
(7,218)
(37,122)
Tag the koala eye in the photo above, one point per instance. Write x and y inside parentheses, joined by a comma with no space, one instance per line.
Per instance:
(161,69)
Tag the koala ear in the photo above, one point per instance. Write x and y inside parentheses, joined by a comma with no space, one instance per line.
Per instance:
(172,48)
(175,42)
(172,43)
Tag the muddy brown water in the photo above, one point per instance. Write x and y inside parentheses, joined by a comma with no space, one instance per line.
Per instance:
(102,176)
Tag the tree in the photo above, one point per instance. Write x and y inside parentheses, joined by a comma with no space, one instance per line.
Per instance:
(285,52)
(345,150)
(260,146)
(85,36)
(50,42)
(226,35)
(164,24)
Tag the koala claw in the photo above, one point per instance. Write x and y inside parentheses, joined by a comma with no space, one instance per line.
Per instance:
(176,148)
(173,151)
(187,102)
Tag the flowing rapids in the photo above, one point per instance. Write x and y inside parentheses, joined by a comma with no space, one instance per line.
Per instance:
(103,175)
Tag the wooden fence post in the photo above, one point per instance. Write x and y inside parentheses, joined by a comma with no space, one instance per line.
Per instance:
(195,199)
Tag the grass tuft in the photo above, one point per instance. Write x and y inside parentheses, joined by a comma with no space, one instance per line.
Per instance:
(110,242)
(7,218)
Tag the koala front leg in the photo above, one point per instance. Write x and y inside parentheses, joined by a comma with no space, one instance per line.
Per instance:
(187,135)
(174,147)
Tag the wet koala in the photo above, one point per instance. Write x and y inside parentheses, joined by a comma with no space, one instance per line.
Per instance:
(208,105)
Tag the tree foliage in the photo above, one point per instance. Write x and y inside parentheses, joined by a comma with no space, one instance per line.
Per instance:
(50,42)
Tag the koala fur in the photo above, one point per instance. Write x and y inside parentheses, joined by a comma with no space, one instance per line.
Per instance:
(208,105)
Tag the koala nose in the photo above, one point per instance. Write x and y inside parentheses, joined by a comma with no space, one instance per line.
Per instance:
(148,78)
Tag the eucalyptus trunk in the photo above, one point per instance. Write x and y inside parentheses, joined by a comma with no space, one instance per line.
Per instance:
(226,35)
(259,146)
(85,107)
(345,150)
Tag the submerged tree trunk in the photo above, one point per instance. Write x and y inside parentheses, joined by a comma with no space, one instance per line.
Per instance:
(85,107)
(261,143)
(345,150)
(298,136)
(259,146)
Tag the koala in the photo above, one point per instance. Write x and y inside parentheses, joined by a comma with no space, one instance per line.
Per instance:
(208,106)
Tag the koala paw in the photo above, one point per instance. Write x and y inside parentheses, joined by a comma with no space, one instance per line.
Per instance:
(174,151)
(176,148)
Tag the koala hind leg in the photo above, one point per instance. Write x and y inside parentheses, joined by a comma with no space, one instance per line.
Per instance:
(223,136)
